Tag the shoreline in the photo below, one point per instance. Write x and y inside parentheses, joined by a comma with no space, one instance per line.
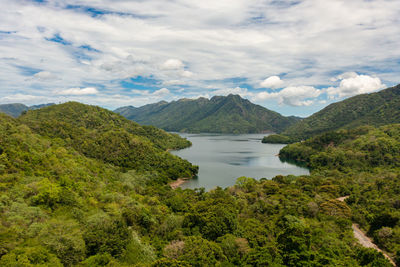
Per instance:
(178,182)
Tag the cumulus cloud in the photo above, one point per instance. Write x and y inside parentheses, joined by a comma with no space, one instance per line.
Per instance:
(307,41)
(353,84)
(186,74)
(243,92)
(161,92)
(19,98)
(140,92)
(79,91)
(272,82)
(292,96)
(172,64)
(45,76)
(174,82)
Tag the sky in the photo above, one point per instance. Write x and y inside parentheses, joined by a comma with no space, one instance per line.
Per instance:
(291,56)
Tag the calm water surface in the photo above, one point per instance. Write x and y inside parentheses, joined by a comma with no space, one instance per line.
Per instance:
(224,158)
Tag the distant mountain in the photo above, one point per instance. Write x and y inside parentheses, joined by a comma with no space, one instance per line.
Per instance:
(220,114)
(13,110)
(374,109)
(16,109)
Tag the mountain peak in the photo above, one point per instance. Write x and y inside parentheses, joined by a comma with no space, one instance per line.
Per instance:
(220,114)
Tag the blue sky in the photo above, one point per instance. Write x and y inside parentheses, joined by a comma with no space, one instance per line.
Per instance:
(294,57)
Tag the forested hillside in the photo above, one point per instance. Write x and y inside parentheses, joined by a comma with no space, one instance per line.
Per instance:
(63,203)
(363,163)
(220,114)
(367,109)
(101,134)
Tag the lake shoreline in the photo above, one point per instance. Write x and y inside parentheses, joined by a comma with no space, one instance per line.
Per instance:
(178,182)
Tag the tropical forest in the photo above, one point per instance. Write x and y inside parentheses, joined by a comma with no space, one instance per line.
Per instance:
(83,186)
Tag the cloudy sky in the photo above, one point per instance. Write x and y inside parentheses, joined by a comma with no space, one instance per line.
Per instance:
(292,56)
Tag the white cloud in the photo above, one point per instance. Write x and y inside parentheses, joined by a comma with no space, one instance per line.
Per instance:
(172,64)
(215,40)
(45,76)
(173,82)
(19,98)
(161,92)
(292,96)
(243,92)
(272,82)
(140,92)
(79,91)
(353,84)
(186,74)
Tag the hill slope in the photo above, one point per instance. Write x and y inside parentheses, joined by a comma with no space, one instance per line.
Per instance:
(220,114)
(101,134)
(61,208)
(375,109)
(16,109)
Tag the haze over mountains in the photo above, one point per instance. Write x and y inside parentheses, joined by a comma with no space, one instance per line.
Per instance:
(16,109)
(220,114)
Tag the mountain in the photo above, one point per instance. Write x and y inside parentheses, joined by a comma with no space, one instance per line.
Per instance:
(104,135)
(220,114)
(13,109)
(16,109)
(374,109)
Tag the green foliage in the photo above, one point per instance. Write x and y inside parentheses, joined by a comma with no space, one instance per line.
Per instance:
(99,260)
(360,148)
(101,134)
(106,235)
(277,139)
(64,239)
(136,252)
(220,114)
(30,256)
(201,252)
(62,205)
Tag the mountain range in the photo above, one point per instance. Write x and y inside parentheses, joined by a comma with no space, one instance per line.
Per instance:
(220,114)
(16,109)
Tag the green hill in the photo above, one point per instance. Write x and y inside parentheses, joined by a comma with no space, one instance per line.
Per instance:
(16,109)
(102,134)
(220,114)
(60,207)
(374,109)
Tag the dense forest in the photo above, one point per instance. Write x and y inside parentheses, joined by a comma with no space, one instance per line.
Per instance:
(220,114)
(374,109)
(82,186)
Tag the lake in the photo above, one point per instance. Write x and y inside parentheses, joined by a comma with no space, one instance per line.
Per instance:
(223,158)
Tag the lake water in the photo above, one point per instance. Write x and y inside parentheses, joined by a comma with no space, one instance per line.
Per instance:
(224,158)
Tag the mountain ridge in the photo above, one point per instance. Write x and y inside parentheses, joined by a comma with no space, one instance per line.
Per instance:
(220,114)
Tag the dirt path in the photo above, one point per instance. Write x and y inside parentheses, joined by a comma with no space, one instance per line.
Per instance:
(178,183)
(363,239)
